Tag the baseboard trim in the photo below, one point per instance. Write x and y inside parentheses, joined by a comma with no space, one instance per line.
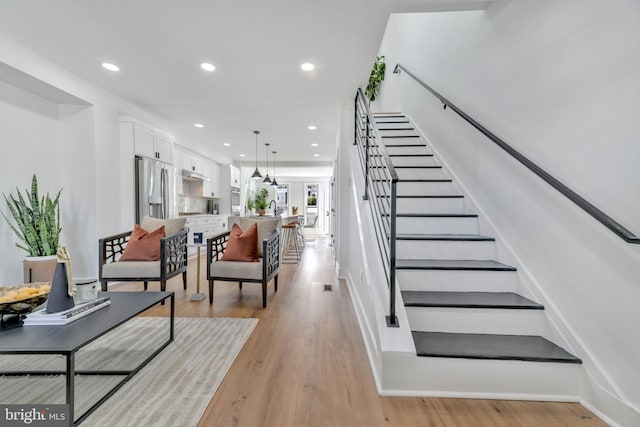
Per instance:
(490,396)
(365,330)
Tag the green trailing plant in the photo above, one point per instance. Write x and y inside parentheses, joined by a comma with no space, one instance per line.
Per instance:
(375,79)
(261,199)
(37,220)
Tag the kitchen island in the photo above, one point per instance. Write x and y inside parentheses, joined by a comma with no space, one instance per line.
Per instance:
(283,219)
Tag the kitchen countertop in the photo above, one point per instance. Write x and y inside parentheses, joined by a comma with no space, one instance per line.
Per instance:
(199,215)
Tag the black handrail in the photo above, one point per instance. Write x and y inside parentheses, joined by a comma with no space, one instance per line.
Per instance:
(380,189)
(596,213)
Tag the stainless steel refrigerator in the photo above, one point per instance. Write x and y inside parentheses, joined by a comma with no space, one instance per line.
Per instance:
(155,189)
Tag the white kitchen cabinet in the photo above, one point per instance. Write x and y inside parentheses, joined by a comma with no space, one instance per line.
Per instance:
(163,148)
(149,143)
(177,160)
(212,187)
(208,225)
(192,163)
(207,190)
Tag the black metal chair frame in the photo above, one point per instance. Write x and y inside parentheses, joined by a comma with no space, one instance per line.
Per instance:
(173,258)
(270,263)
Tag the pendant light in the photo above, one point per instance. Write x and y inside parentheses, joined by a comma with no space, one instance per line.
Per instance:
(274,183)
(256,173)
(266,179)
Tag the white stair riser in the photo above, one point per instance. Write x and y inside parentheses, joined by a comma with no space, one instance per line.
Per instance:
(430,205)
(427,173)
(394,130)
(479,321)
(414,161)
(439,249)
(409,150)
(395,141)
(458,280)
(420,188)
(472,378)
(437,225)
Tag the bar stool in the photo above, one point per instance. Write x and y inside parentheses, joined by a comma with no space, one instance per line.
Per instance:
(289,239)
(299,234)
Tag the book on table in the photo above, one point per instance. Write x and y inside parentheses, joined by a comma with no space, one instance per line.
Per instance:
(41,317)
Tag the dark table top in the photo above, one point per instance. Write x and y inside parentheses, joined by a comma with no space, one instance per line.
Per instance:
(71,337)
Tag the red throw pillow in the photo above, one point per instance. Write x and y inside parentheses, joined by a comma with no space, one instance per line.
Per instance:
(242,246)
(142,245)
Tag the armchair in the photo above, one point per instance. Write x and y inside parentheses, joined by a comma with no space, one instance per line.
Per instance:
(239,271)
(173,257)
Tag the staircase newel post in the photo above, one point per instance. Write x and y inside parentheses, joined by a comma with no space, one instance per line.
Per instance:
(366,160)
(392,319)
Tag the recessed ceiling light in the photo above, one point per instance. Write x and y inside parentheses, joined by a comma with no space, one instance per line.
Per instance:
(315,144)
(110,67)
(226,144)
(199,125)
(241,155)
(307,66)
(207,67)
(316,155)
(312,127)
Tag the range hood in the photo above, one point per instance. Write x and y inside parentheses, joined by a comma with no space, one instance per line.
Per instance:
(193,176)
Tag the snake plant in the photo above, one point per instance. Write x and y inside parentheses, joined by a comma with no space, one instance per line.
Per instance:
(37,220)
(375,79)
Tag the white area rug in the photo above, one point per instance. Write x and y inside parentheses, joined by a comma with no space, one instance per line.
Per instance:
(174,389)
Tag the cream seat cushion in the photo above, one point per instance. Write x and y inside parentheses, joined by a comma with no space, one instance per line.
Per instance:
(266,227)
(131,269)
(237,269)
(171,226)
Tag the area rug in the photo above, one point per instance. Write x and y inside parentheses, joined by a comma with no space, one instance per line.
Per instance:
(174,389)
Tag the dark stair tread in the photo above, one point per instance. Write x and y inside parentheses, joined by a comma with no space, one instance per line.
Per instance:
(402,155)
(411,167)
(401,136)
(433,215)
(410,155)
(452,264)
(393,122)
(502,300)
(414,180)
(446,237)
(425,196)
(490,346)
(404,145)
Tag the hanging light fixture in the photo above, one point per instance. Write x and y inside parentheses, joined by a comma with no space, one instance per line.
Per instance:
(274,183)
(266,179)
(256,173)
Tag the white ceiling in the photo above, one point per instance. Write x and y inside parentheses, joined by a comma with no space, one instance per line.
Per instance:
(257,47)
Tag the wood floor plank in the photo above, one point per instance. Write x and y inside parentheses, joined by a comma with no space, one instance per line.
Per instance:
(305,364)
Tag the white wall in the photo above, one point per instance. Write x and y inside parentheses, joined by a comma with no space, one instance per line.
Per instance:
(560,80)
(26,150)
(76,148)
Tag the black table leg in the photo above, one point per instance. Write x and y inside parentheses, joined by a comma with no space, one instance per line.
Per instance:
(71,374)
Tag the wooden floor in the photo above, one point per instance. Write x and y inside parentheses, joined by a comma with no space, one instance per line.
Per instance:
(305,363)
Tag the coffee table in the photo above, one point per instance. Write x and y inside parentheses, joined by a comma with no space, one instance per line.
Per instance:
(68,339)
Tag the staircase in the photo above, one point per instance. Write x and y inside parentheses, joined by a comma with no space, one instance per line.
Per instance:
(465,308)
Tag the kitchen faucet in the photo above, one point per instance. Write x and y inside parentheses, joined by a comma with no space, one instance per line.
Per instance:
(274,207)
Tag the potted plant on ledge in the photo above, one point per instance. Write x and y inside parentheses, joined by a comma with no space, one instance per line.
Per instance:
(37,225)
(261,201)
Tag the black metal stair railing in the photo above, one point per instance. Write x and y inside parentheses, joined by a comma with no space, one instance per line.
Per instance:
(589,208)
(380,189)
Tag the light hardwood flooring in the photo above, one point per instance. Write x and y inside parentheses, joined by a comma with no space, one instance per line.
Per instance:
(306,365)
